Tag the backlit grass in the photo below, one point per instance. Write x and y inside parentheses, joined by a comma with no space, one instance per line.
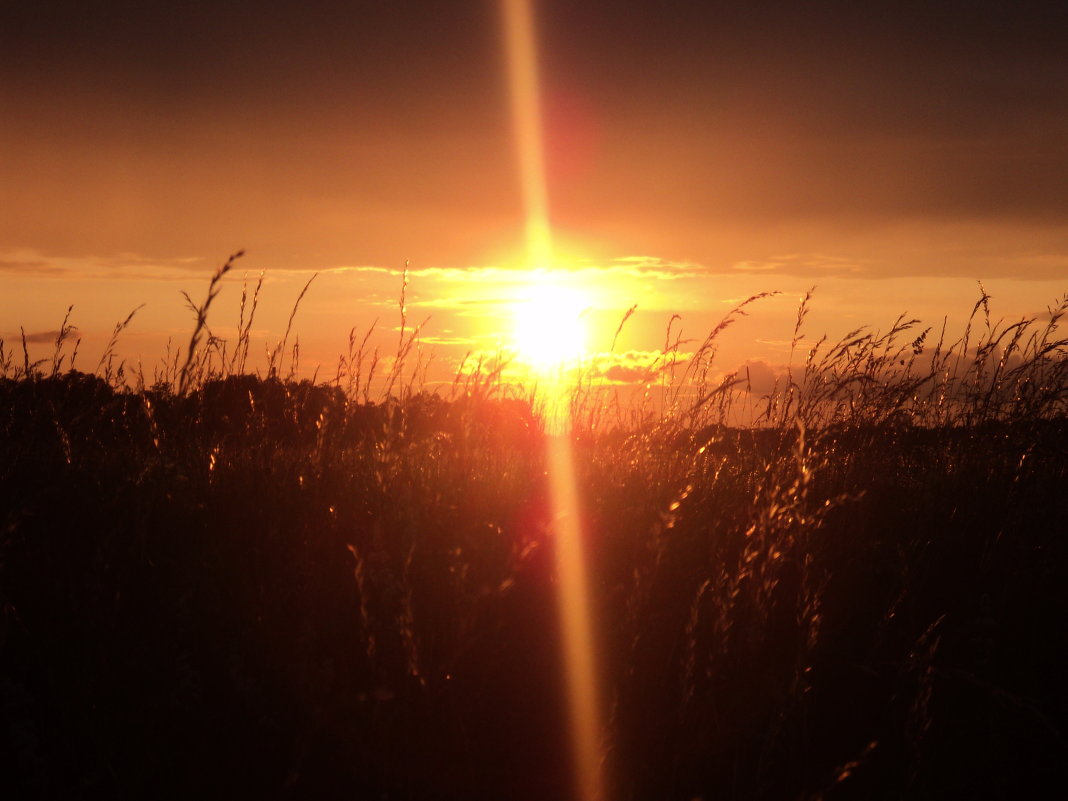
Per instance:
(215,583)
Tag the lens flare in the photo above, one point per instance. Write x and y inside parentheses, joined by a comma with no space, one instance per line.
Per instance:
(548,335)
(526,123)
(573,604)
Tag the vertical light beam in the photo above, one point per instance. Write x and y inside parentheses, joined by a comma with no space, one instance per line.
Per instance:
(527,128)
(576,626)
(573,602)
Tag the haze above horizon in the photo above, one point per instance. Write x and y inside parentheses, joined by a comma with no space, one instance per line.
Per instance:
(891,153)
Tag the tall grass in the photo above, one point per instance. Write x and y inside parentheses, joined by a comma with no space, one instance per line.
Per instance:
(850,586)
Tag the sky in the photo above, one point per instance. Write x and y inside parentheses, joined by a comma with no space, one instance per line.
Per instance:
(696,153)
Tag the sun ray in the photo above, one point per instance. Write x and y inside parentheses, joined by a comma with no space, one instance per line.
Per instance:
(542,342)
(527,129)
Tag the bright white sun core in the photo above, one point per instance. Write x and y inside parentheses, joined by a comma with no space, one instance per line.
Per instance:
(549,329)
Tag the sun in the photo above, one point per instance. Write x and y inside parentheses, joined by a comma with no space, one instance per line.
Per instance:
(549,331)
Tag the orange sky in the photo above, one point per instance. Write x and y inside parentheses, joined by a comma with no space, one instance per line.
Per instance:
(891,154)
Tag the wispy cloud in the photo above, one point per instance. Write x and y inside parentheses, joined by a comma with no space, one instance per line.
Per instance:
(446,340)
(637,266)
(655,267)
(803,264)
(146,267)
(444,273)
(30,267)
(457,302)
(118,267)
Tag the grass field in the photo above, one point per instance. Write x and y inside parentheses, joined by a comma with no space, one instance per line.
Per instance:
(217,584)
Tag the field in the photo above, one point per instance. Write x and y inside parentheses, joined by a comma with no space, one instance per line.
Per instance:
(217,584)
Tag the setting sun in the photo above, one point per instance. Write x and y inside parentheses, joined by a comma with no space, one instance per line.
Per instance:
(529,399)
(549,329)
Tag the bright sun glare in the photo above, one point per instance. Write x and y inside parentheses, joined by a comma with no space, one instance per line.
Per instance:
(549,329)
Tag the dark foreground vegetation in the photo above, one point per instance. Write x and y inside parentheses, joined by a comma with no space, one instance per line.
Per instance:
(253,588)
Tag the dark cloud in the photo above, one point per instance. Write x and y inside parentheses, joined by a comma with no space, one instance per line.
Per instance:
(866,111)
(629,367)
(38,337)
(717,133)
(628,374)
(759,377)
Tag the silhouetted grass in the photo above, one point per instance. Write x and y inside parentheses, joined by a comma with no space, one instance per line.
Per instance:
(225,584)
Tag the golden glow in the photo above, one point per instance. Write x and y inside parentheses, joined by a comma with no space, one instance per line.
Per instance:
(549,330)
